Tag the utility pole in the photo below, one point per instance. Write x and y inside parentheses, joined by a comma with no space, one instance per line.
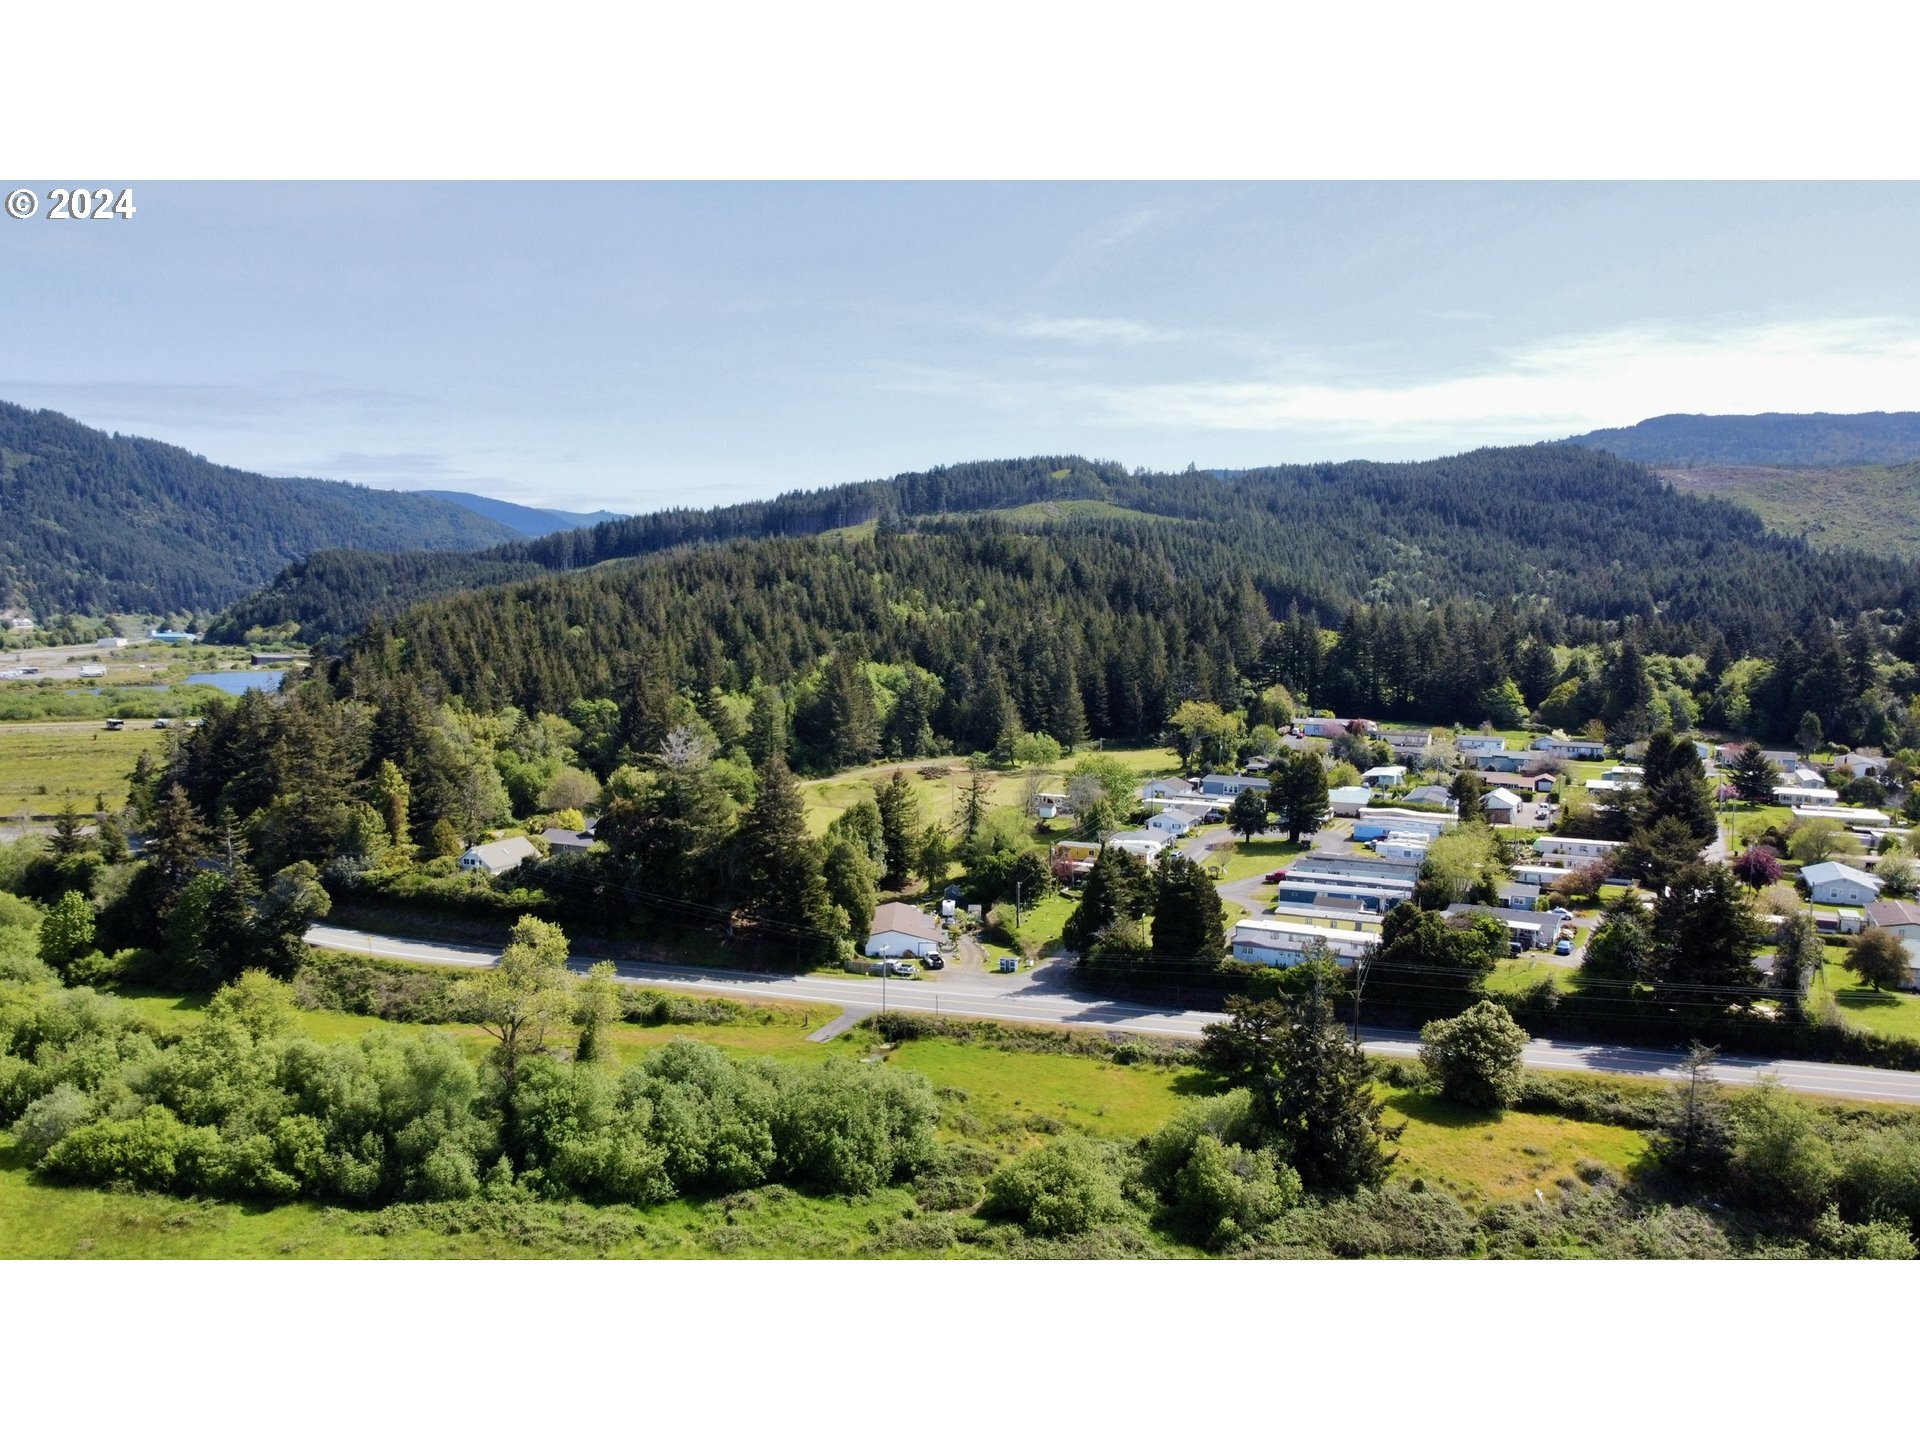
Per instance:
(1359,984)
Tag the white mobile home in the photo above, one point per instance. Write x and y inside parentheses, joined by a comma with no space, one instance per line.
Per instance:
(1570,848)
(497,857)
(1263,940)
(1831,883)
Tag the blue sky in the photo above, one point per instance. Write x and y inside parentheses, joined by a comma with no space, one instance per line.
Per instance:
(633,346)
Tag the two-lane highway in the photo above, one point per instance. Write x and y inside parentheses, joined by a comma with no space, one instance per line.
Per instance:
(1047,1004)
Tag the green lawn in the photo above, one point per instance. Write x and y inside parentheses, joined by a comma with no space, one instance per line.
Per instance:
(1512,976)
(42,766)
(1478,1158)
(1882,1012)
(1250,859)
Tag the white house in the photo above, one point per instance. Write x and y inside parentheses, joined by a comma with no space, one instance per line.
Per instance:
(1862,767)
(1348,800)
(1384,777)
(1407,742)
(1831,883)
(1804,795)
(1502,806)
(1855,815)
(1804,775)
(1428,795)
(1263,940)
(1144,843)
(1375,822)
(1482,744)
(1169,824)
(902,930)
(1902,917)
(1230,785)
(1542,875)
(1568,848)
(1565,749)
(497,857)
(1402,846)
(1624,775)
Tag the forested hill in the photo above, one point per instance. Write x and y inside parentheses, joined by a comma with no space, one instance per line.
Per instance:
(1594,535)
(528,520)
(333,594)
(1876,438)
(94,523)
(1434,573)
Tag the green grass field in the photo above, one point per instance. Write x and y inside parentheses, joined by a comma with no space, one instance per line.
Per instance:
(1477,1158)
(1882,1012)
(43,765)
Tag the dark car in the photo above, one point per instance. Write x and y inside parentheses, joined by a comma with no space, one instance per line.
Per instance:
(1276,877)
(933,962)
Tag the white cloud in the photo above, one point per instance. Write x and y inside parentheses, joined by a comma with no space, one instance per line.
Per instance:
(1560,386)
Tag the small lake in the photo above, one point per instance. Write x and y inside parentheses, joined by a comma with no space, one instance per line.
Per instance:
(238,682)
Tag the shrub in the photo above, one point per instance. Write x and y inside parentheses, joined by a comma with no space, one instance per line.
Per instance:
(1225,1191)
(1390,1221)
(1780,1163)
(1879,1177)
(1875,1240)
(849,1129)
(1475,1057)
(1062,1188)
(50,1119)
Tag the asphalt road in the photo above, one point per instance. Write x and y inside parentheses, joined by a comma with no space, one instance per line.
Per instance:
(1043,999)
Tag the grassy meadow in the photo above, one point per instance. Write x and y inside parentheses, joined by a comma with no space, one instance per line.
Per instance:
(43,765)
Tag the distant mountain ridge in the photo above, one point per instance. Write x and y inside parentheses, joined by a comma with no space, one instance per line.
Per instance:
(528,520)
(96,523)
(1775,439)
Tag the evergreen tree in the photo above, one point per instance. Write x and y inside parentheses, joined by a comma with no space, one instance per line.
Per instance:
(1188,921)
(1321,1102)
(1753,775)
(1706,935)
(1247,816)
(1066,713)
(176,845)
(899,827)
(780,864)
(1298,795)
(767,726)
(1119,886)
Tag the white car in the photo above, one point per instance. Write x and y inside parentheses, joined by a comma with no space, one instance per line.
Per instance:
(902,967)
(1562,912)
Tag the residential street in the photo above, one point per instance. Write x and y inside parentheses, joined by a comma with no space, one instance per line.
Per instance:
(1042,997)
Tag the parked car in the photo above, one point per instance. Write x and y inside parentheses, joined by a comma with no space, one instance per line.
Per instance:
(1562,912)
(160,724)
(1514,947)
(116,724)
(1563,946)
(934,962)
(1276,877)
(902,967)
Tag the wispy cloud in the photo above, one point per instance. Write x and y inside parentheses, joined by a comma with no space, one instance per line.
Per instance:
(1558,386)
(1083,330)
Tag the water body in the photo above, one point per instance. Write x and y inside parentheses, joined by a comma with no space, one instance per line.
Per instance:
(238,682)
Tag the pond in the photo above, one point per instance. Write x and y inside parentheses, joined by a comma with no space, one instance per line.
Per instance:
(238,682)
